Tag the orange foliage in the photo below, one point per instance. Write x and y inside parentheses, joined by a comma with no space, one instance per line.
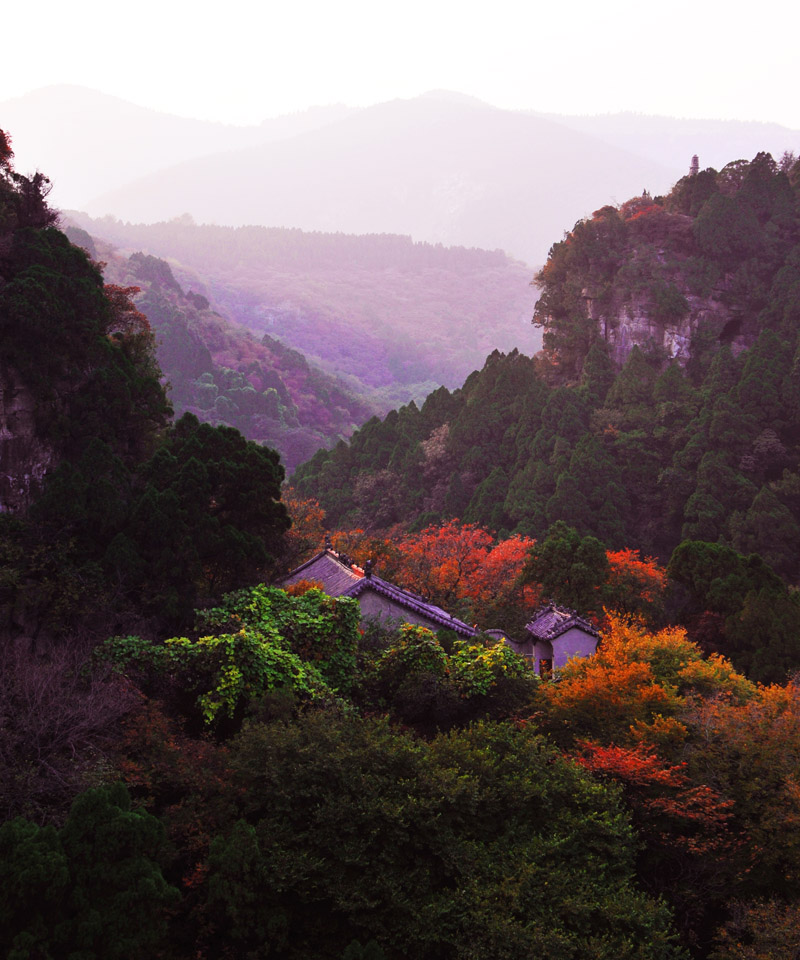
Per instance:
(361,546)
(300,587)
(460,565)
(307,533)
(604,697)
(637,678)
(634,585)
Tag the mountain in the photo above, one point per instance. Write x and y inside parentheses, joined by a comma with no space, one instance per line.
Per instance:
(89,141)
(441,170)
(442,167)
(611,429)
(397,319)
(218,371)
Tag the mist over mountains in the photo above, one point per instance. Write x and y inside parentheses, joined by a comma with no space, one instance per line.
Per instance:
(442,168)
(397,319)
(89,142)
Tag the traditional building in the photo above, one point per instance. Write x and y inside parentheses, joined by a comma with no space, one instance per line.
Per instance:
(379,599)
(555,635)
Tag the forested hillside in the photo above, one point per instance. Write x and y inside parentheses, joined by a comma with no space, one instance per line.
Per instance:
(692,457)
(701,445)
(396,318)
(217,369)
(109,512)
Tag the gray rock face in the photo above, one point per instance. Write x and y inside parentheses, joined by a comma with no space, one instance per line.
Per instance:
(24,458)
(630,322)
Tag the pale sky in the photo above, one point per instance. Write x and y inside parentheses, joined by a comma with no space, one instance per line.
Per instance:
(244,61)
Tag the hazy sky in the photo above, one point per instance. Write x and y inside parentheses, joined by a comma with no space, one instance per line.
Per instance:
(244,61)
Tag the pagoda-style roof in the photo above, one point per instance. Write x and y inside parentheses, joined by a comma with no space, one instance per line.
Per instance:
(551,621)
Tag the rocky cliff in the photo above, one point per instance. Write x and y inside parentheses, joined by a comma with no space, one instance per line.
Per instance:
(677,275)
(631,321)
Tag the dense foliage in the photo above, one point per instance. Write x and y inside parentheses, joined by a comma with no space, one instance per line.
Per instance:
(106,509)
(502,814)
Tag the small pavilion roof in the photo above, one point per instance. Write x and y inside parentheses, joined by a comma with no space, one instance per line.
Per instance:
(551,621)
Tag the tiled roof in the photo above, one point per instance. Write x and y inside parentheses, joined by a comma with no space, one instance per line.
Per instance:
(335,576)
(411,601)
(551,621)
(340,579)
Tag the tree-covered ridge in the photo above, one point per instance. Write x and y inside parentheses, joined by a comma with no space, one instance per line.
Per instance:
(80,352)
(645,456)
(715,261)
(395,317)
(218,371)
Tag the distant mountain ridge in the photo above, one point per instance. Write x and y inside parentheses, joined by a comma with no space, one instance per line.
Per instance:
(119,140)
(457,173)
(442,167)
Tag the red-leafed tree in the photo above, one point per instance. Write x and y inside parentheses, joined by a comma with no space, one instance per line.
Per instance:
(306,535)
(440,562)
(126,319)
(693,853)
(461,567)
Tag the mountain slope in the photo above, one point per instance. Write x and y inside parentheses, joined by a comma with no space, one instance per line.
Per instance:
(218,371)
(397,318)
(611,435)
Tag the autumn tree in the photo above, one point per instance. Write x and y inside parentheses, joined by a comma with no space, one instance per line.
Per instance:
(692,844)
(635,585)
(635,687)
(307,532)
(460,567)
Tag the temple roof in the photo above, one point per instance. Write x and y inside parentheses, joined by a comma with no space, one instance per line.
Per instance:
(551,621)
(342,579)
(329,569)
(411,601)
